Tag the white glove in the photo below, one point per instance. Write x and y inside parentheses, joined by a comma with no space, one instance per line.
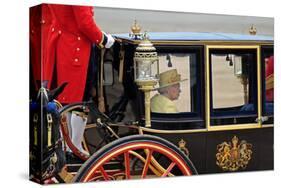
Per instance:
(110,40)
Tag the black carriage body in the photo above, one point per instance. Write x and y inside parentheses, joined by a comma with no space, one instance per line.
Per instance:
(202,148)
(208,129)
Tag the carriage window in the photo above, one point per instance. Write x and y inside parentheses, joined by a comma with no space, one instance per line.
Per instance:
(177,85)
(268,84)
(233,86)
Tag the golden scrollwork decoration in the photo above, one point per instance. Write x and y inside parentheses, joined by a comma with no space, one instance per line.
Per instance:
(136,31)
(232,156)
(253,30)
(117,176)
(183,148)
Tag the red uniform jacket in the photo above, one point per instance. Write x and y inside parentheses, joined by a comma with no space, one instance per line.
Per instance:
(69,44)
(270,79)
(39,23)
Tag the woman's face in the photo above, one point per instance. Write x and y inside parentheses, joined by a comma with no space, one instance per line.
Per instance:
(174,92)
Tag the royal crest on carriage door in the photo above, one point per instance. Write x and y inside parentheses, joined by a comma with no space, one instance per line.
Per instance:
(233,155)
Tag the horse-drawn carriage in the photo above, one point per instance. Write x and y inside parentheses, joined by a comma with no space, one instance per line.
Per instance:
(224,118)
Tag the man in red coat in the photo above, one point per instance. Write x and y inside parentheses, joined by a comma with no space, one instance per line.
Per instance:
(70,40)
(74,31)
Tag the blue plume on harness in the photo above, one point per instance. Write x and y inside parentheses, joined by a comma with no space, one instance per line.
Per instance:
(51,107)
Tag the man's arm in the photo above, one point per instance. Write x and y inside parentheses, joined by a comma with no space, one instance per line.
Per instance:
(85,20)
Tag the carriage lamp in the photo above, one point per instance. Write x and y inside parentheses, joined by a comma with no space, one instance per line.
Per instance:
(238,66)
(146,77)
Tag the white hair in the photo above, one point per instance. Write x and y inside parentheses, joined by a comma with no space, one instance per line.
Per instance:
(163,90)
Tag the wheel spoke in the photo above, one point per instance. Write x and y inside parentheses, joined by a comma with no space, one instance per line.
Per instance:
(146,165)
(171,166)
(127,165)
(104,174)
(150,166)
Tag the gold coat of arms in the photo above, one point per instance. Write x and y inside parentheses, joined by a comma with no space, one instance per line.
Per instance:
(232,156)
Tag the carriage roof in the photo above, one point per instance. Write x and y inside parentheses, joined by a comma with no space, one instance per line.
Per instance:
(200,36)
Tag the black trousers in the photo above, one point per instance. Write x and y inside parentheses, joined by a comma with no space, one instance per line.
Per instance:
(92,76)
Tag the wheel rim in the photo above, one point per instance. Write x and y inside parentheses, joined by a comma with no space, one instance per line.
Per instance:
(126,151)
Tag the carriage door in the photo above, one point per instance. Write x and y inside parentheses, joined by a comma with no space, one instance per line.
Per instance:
(233,97)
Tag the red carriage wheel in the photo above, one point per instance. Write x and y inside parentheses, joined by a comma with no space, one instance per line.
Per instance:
(122,151)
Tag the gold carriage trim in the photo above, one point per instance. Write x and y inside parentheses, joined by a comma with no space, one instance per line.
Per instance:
(182,147)
(233,155)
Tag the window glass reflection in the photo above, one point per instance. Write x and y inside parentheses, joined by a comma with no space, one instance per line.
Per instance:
(233,86)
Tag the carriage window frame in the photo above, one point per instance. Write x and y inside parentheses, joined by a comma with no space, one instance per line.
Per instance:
(209,109)
(266,50)
(183,117)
